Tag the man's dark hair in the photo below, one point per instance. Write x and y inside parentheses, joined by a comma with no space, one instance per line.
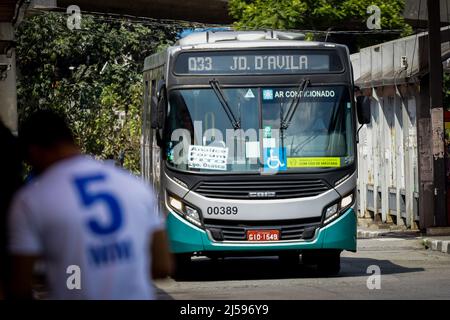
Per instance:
(45,128)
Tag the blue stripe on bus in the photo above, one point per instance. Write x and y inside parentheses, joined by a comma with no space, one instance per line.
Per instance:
(340,234)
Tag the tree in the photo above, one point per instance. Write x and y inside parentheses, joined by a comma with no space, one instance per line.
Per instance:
(446,90)
(93,75)
(321,15)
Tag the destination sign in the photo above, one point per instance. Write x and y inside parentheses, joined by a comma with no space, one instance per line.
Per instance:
(258,62)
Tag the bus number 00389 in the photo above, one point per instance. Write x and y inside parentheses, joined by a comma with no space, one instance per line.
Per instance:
(222,210)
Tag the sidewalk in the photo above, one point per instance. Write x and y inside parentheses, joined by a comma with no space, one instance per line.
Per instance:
(434,243)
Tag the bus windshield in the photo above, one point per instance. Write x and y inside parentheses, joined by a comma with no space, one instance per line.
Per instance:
(200,136)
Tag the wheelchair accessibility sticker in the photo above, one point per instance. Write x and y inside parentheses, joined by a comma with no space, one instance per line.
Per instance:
(275,159)
(267,94)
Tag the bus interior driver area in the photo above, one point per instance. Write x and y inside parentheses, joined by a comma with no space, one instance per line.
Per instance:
(249,139)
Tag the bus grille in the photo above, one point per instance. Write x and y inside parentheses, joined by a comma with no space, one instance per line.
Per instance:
(261,189)
(224,230)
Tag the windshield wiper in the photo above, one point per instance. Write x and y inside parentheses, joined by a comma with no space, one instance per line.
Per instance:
(215,85)
(293,106)
(304,143)
(286,121)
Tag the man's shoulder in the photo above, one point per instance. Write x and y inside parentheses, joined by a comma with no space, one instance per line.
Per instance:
(134,181)
(86,165)
(127,179)
(25,191)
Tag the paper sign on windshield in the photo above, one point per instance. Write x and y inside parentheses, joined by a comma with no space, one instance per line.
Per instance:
(211,158)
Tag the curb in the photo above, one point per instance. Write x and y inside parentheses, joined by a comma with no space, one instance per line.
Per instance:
(437,245)
(371,234)
(431,244)
(363,234)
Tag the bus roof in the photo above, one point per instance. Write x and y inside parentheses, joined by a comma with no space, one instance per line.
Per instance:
(235,40)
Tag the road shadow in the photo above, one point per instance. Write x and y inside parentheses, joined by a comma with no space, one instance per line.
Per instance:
(266,268)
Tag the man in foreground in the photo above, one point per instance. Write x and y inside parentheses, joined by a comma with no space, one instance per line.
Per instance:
(95,226)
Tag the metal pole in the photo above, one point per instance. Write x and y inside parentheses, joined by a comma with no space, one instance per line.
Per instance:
(437,113)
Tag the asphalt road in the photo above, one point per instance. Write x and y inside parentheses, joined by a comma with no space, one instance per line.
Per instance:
(408,271)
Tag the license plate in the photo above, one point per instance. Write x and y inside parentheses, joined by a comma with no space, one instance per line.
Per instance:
(263,235)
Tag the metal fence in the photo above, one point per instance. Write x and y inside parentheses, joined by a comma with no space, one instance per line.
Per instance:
(387,155)
(388,181)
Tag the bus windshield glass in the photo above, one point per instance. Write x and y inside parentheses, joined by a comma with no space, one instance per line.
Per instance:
(201,137)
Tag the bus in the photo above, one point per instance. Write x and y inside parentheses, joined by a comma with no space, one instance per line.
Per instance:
(249,139)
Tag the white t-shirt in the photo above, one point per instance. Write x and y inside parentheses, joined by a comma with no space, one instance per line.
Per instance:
(91,215)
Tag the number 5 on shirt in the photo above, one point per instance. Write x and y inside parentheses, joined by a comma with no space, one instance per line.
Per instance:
(90,198)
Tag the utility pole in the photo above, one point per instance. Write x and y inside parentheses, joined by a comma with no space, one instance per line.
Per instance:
(437,113)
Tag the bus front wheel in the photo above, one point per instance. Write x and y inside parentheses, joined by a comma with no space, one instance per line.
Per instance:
(328,261)
(182,265)
(289,258)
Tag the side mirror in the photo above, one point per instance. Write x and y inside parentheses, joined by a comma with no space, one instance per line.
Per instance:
(363,109)
(154,104)
(158,105)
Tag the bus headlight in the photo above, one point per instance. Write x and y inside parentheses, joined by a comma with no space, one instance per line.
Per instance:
(188,212)
(175,204)
(192,215)
(333,211)
(346,201)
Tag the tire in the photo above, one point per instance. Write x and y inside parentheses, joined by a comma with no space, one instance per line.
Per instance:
(309,257)
(182,265)
(289,258)
(329,262)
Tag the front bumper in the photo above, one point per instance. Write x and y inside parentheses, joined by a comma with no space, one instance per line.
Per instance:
(186,238)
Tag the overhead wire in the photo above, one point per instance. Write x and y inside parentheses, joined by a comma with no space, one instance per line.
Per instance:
(109,17)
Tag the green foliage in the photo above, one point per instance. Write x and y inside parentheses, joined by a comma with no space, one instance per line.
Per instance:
(277,14)
(93,75)
(317,15)
(446,91)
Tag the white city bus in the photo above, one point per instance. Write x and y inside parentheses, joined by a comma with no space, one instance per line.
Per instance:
(250,140)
